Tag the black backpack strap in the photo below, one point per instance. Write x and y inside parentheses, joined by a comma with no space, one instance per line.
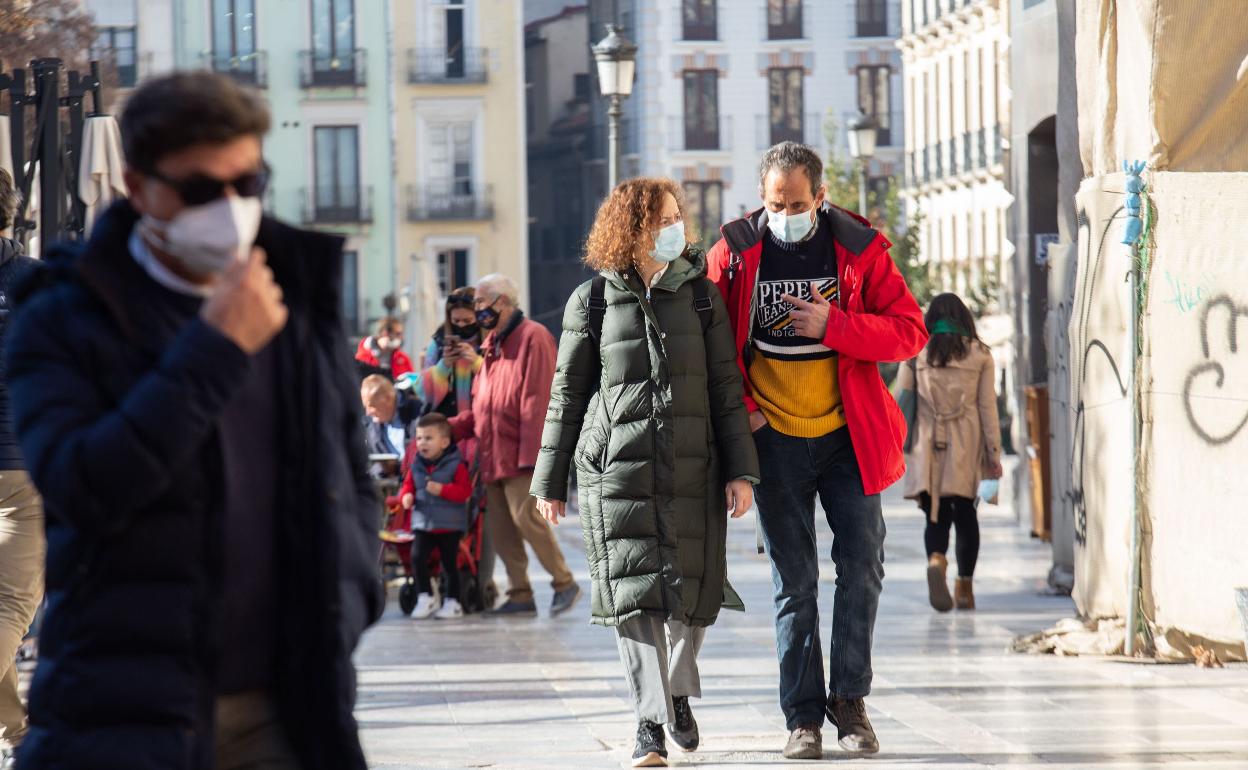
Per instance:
(596,307)
(702,303)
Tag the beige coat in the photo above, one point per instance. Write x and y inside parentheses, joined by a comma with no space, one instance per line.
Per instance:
(958,436)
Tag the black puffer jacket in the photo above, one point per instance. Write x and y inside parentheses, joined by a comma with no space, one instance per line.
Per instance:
(14,267)
(655,431)
(119,429)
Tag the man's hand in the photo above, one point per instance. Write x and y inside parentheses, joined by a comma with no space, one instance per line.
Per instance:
(409,500)
(740,497)
(758,421)
(553,510)
(434,488)
(810,319)
(247,305)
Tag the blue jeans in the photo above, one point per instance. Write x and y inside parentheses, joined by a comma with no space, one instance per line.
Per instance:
(794,470)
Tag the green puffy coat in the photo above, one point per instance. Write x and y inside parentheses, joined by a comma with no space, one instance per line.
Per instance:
(656,433)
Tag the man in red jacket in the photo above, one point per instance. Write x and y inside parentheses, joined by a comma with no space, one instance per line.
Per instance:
(509,399)
(816,302)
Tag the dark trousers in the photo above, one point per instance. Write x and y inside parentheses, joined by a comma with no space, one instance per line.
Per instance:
(958,512)
(794,471)
(447,544)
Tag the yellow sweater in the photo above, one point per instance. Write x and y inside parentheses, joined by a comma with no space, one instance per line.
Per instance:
(799,398)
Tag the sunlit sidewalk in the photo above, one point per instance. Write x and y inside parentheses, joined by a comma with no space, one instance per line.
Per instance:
(550,693)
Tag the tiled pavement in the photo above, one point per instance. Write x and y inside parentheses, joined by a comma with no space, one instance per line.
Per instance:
(549,693)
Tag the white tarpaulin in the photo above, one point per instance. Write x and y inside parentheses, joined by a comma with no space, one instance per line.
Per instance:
(100,179)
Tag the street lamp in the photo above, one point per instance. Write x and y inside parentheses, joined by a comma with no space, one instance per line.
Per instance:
(616,59)
(862,134)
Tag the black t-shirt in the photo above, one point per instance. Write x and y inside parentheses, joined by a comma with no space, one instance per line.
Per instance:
(789,268)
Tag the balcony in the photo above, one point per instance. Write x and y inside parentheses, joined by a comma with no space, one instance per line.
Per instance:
(322,69)
(250,68)
(686,138)
(810,133)
(438,65)
(337,205)
(444,201)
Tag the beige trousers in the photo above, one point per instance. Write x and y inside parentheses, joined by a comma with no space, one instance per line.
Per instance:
(21,588)
(512,517)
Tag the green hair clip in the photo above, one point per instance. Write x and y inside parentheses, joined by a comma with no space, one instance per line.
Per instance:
(945,326)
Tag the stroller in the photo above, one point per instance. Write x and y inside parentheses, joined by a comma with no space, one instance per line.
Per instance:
(396,537)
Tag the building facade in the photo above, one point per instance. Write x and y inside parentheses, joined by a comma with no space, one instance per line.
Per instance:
(459,152)
(557,123)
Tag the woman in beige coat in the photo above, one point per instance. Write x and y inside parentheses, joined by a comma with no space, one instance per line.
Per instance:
(957,443)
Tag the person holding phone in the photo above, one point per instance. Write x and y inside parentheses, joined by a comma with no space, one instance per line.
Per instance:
(453,357)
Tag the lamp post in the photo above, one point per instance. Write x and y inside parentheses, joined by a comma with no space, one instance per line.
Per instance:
(616,58)
(862,133)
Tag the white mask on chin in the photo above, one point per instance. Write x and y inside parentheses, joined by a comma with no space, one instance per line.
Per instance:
(207,239)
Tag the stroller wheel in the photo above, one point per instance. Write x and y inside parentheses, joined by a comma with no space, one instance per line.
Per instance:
(407,597)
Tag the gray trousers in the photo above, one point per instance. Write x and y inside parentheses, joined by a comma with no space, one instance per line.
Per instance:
(660,662)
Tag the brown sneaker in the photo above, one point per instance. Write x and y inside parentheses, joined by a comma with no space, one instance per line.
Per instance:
(938,583)
(853,729)
(963,594)
(805,742)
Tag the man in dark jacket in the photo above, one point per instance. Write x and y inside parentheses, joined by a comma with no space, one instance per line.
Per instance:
(21,514)
(185,400)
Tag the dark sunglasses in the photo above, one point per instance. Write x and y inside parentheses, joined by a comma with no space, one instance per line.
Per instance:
(198,189)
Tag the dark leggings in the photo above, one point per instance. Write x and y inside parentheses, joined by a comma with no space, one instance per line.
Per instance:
(447,544)
(956,512)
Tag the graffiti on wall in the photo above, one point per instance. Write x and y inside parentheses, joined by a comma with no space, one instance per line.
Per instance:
(1219,337)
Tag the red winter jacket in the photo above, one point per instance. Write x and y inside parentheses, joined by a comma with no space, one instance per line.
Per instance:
(509,399)
(876,319)
(400,364)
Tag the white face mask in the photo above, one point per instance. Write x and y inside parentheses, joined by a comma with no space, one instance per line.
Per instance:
(790,228)
(207,239)
(669,243)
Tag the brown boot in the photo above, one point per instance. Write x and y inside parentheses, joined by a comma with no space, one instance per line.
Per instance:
(938,583)
(963,595)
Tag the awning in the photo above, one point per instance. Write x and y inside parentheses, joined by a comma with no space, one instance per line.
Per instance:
(100,179)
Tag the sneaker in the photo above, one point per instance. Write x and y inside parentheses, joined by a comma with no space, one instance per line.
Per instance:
(684,729)
(425,607)
(805,742)
(649,751)
(450,610)
(511,607)
(564,599)
(853,729)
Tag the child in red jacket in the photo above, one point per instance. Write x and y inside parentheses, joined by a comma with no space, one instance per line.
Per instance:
(438,486)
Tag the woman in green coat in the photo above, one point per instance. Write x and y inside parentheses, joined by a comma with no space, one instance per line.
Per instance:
(647,407)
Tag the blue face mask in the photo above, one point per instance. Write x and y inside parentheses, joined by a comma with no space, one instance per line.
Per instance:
(669,243)
(790,228)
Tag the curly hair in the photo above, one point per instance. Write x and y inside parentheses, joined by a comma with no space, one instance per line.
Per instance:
(626,218)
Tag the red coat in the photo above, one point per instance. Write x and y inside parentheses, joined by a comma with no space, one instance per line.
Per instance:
(400,364)
(876,319)
(509,399)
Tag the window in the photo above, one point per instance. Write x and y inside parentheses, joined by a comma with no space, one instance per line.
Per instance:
(116,45)
(337,170)
(785,104)
(233,34)
(872,17)
(580,86)
(705,204)
(351,290)
(452,270)
(784,19)
(699,20)
(874,98)
(701,110)
(333,42)
(450,158)
(453,24)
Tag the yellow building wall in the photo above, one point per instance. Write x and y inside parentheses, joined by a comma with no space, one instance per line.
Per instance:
(498,243)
